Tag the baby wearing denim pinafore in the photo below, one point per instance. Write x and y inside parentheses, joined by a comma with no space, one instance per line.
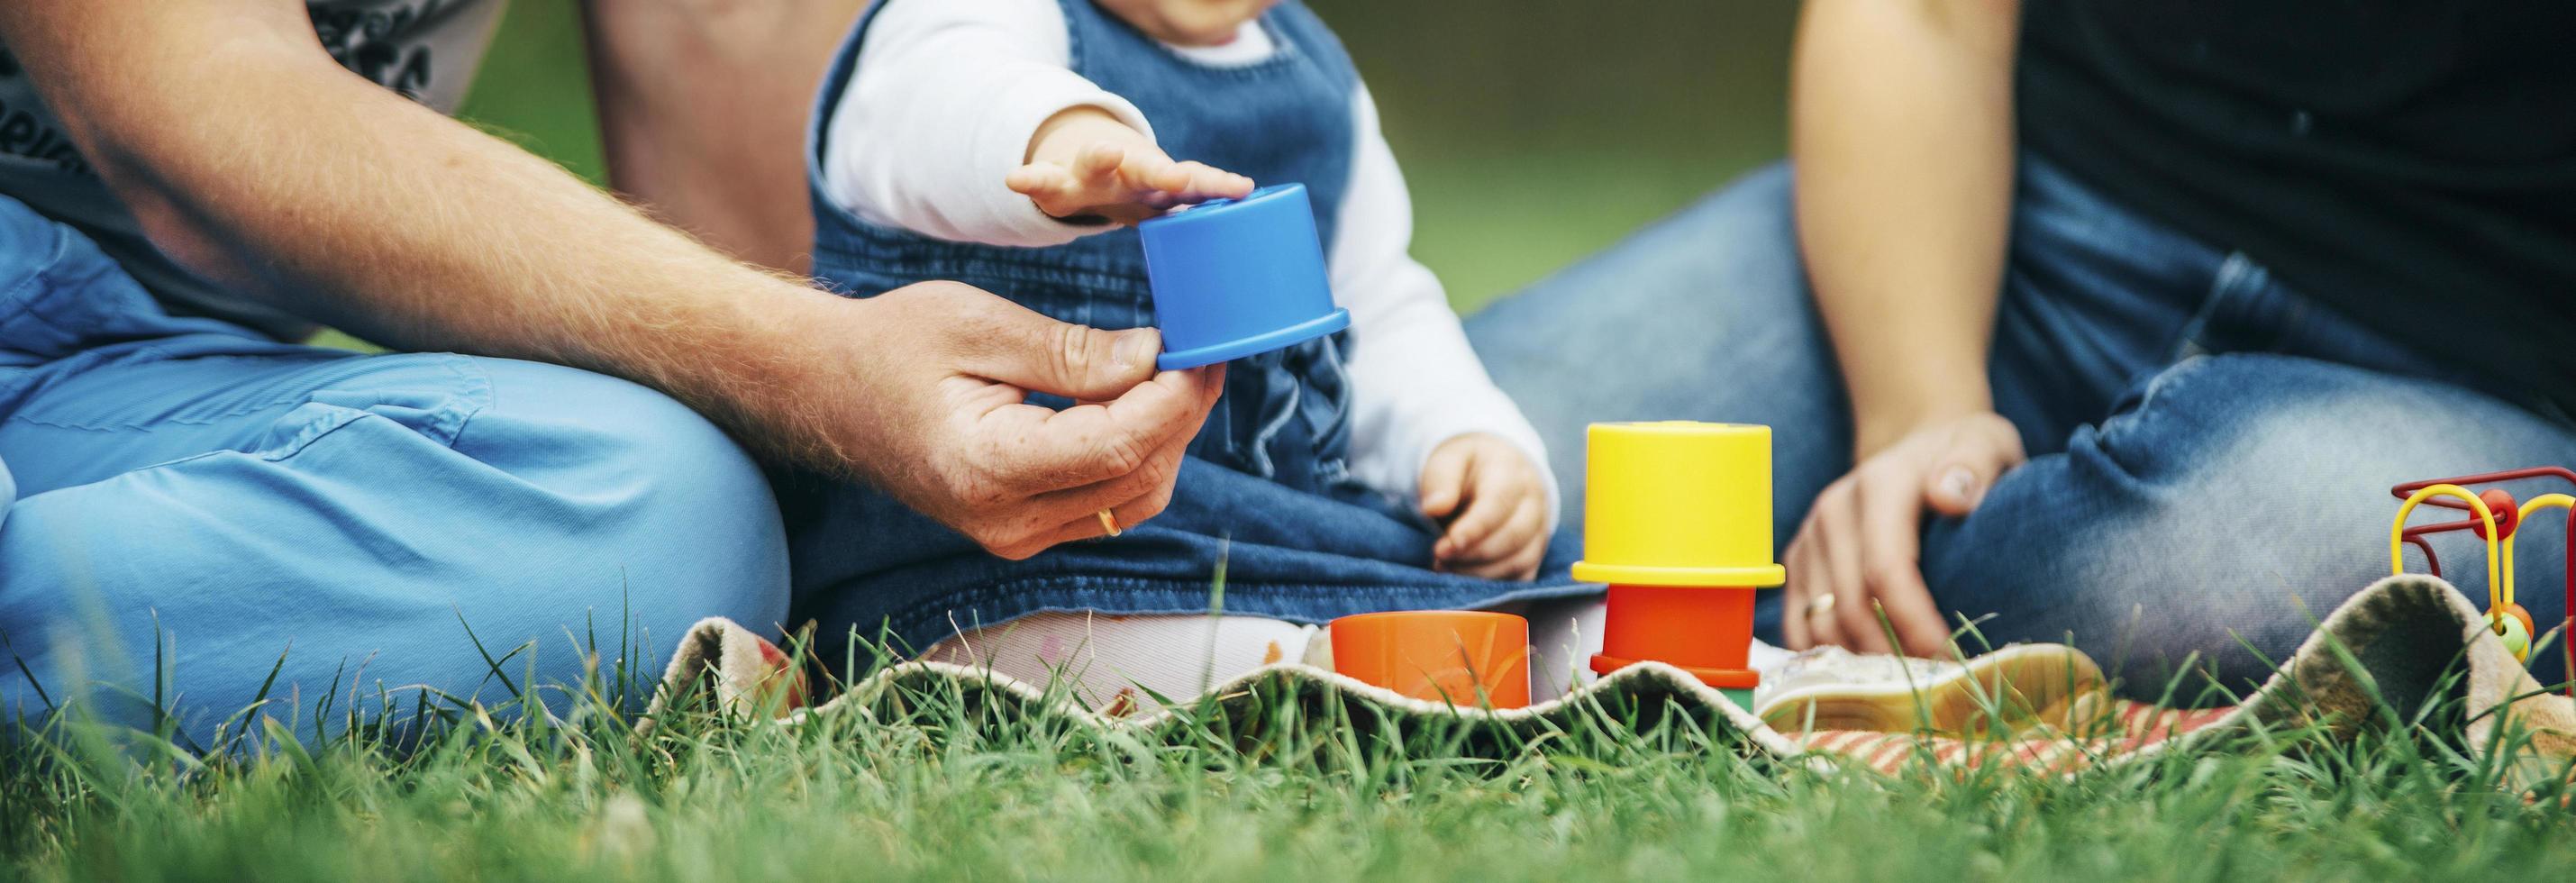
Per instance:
(1265,490)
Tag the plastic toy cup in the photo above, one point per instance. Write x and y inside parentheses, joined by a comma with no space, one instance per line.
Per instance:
(1677,519)
(1678,626)
(1236,277)
(1678,504)
(1455,656)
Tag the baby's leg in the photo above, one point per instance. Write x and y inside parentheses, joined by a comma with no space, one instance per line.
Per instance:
(1117,664)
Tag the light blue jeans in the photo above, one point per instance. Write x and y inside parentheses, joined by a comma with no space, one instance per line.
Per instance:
(2211,450)
(190,512)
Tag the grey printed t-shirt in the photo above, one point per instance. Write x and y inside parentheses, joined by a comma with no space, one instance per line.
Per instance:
(425,49)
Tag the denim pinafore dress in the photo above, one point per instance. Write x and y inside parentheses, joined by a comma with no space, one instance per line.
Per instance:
(1265,487)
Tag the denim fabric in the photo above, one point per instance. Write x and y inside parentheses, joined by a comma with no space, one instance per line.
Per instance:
(1262,510)
(196,502)
(2211,449)
(1284,119)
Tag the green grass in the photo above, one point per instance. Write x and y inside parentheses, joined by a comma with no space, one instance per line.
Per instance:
(939,785)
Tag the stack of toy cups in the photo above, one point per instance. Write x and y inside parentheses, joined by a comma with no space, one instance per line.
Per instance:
(1677,520)
(1237,277)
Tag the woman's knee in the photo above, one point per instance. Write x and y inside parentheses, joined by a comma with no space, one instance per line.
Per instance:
(2236,501)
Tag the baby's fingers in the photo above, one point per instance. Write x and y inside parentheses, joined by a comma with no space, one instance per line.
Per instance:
(1199,182)
(1474,529)
(1522,564)
(1100,164)
(1444,483)
(1513,552)
(1051,188)
(1526,516)
(1036,178)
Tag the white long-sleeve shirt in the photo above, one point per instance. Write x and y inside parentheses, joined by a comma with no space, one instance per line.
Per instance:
(942,106)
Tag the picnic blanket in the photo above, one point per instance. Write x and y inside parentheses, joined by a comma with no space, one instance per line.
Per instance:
(2402,645)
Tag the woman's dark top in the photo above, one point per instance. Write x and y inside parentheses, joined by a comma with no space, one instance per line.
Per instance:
(2411,162)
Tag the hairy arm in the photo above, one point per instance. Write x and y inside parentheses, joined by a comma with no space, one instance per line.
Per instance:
(264,166)
(702,108)
(253,159)
(1901,127)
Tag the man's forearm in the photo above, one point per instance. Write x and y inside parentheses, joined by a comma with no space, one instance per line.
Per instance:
(1901,122)
(278,173)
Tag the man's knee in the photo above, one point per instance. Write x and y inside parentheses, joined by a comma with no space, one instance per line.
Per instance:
(572,518)
(637,471)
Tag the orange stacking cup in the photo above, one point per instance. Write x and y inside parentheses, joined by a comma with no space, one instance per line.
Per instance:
(1455,656)
(1693,628)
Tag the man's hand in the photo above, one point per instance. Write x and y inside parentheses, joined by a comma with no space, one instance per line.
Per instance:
(931,406)
(1495,505)
(1860,544)
(1085,163)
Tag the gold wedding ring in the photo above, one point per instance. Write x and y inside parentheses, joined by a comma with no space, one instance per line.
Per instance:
(1820,604)
(1109,523)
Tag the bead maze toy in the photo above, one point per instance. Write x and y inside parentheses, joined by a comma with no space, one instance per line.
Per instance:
(1677,520)
(1238,277)
(1462,657)
(2496,517)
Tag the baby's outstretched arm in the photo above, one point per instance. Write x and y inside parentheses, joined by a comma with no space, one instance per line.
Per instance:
(951,100)
(1084,163)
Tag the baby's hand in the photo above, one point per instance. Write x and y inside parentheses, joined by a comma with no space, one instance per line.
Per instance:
(1495,505)
(1085,163)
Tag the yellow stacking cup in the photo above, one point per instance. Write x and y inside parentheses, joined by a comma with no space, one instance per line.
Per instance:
(1678,503)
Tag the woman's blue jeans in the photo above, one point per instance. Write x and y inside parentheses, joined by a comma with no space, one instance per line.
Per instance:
(2211,451)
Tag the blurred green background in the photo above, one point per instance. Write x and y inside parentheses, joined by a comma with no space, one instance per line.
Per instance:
(1533,132)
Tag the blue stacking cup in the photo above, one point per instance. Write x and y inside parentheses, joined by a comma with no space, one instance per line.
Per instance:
(1236,277)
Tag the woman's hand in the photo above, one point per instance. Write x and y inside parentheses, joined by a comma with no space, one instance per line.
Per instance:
(1494,502)
(1901,123)
(1859,549)
(1085,163)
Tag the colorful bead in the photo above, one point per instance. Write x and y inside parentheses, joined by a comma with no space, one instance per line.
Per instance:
(2508,513)
(2514,629)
